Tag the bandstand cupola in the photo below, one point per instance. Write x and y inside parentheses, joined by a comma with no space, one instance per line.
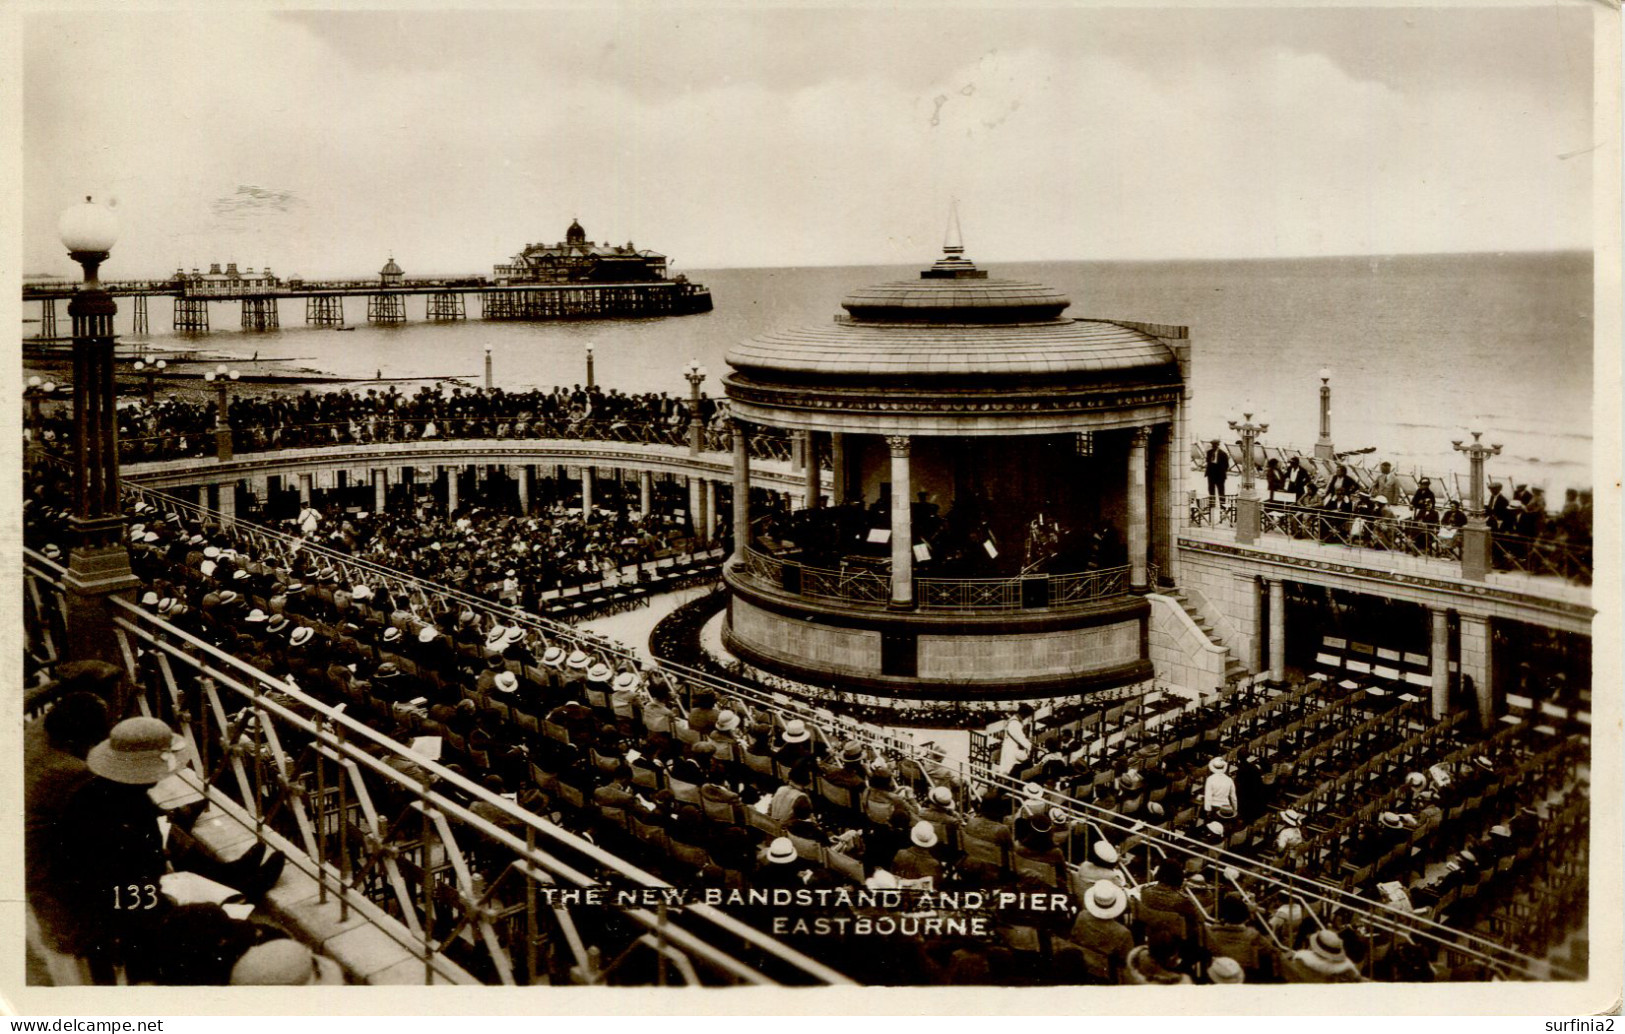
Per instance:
(985,527)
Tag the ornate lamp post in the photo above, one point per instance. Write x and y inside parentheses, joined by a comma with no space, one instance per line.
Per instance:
(1323,444)
(1475,537)
(695,374)
(589,366)
(151,370)
(221,377)
(99,564)
(1247,506)
(487,367)
(36,393)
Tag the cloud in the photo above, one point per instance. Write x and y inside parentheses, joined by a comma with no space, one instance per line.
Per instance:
(249,201)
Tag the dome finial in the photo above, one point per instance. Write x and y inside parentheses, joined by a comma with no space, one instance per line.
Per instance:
(953,242)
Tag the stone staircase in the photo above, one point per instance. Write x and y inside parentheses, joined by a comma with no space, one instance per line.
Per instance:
(1233,668)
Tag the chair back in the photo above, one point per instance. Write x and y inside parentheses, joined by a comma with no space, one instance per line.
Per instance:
(688,793)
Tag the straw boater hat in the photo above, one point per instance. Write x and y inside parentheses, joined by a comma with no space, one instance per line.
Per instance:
(361,592)
(255,616)
(851,750)
(1216,828)
(211,552)
(513,635)
(1291,818)
(284,963)
(599,672)
(1032,791)
(137,752)
(195,540)
(150,599)
(277,624)
(493,638)
(507,682)
(1485,763)
(626,680)
(1155,808)
(386,670)
(228,597)
(1416,780)
(1105,900)
(392,634)
(923,835)
(1132,780)
(727,721)
(942,797)
(795,731)
(1328,945)
(577,661)
(1389,819)
(1219,765)
(294,588)
(1105,854)
(553,657)
(302,635)
(427,634)
(1225,970)
(781,851)
(1227,811)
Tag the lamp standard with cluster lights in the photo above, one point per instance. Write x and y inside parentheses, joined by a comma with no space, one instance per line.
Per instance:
(151,370)
(99,563)
(221,377)
(1323,444)
(695,374)
(1247,507)
(590,380)
(1475,537)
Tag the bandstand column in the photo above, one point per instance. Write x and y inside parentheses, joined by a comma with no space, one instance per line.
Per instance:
(705,523)
(1476,665)
(902,524)
(525,472)
(837,460)
(646,491)
(380,490)
(226,491)
(814,471)
(307,483)
(1277,630)
(741,493)
(587,475)
(1439,662)
(451,489)
(1138,532)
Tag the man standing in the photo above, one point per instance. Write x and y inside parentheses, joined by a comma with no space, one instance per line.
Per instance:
(1217,465)
(1219,791)
(1017,745)
(1387,484)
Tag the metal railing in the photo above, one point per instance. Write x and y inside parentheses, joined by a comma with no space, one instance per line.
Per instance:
(862,583)
(396,837)
(1549,557)
(201,442)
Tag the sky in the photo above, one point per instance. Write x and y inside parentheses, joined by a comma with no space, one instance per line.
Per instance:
(322,143)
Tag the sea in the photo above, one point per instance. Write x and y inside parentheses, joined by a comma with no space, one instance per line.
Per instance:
(1421,349)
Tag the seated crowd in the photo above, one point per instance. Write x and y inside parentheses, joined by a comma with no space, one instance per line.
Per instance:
(172,428)
(726,793)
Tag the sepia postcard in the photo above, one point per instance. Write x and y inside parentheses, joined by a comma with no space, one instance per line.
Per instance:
(833,509)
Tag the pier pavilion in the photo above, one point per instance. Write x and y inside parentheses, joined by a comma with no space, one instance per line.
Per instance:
(993,471)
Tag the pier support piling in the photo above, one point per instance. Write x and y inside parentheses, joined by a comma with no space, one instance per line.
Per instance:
(386,308)
(191,315)
(447,305)
(260,314)
(325,309)
(139,315)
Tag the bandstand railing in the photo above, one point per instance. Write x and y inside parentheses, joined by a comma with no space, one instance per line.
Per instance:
(862,584)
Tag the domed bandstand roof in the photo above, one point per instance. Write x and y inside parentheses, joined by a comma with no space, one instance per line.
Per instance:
(953,341)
